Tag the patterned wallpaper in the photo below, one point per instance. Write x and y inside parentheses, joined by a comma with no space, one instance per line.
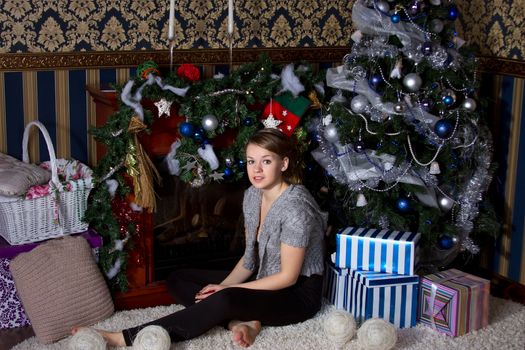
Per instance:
(110,25)
(91,25)
(495,26)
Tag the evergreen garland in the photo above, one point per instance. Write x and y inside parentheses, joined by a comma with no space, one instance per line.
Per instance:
(236,100)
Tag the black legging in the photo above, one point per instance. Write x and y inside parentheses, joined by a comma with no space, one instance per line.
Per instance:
(272,308)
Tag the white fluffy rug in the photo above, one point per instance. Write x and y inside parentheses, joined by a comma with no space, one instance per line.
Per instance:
(505,331)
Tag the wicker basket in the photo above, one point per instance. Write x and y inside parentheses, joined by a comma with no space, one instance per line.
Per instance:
(56,214)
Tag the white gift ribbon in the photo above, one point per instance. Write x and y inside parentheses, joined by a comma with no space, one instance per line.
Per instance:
(434,289)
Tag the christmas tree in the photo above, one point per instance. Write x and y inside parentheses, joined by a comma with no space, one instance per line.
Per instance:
(404,141)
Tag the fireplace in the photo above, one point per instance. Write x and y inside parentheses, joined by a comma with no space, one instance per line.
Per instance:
(196,227)
(192,227)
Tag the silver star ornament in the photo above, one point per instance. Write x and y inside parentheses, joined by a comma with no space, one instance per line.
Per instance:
(271,122)
(163,106)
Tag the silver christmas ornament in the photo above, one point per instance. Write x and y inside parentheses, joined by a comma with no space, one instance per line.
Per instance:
(359,104)
(435,2)
(210,122)
(383,6)
(399,107)
(434,168)
(339,98)
(436,25)
(469,104)
(412,82)
(361,200)
(330,133)
(445,203)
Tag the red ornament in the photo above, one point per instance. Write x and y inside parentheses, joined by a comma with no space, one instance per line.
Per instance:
(189,72)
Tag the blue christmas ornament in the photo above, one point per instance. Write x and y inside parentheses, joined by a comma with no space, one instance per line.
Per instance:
(445,242)
(403,205)
(448,100)
(199,135)
(395,18)
(240,163)
(228,172)
(186,129)
(453,13)
(375,80)
(443,128)
(248,122)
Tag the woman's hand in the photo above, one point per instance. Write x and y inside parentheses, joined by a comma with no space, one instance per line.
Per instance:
(208,290)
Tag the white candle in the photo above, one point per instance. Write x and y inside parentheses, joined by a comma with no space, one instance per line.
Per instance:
(230,17)
(171,27)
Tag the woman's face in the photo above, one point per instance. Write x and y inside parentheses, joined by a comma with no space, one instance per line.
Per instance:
(265,168)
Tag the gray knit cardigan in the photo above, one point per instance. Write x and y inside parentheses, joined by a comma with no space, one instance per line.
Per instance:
(294,219)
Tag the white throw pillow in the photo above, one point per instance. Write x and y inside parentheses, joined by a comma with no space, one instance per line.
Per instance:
(16,176)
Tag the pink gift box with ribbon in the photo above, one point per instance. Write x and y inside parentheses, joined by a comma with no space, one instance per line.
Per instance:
(454,302)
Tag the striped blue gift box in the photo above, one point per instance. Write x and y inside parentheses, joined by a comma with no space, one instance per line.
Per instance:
(369,294)
(377,250)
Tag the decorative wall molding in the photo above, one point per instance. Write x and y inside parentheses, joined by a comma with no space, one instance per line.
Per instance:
(86,60)
(503,66)
(95,60)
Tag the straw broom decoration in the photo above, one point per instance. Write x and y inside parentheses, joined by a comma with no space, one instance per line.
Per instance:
(141,168)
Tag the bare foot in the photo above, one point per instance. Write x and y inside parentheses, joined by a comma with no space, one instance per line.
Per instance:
(244,333)
(115,339)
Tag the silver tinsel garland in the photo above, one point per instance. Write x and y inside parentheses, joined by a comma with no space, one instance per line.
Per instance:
(473,191)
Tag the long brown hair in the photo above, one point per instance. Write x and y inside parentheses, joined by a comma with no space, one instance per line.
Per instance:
(275,141)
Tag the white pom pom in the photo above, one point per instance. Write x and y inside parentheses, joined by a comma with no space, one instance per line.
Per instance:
(87,339)
(112,186)
(377,334)
(340,327)
(152,338)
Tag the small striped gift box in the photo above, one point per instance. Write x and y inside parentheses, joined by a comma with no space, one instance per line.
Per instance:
(369,294)
(377,250)
(454,302)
